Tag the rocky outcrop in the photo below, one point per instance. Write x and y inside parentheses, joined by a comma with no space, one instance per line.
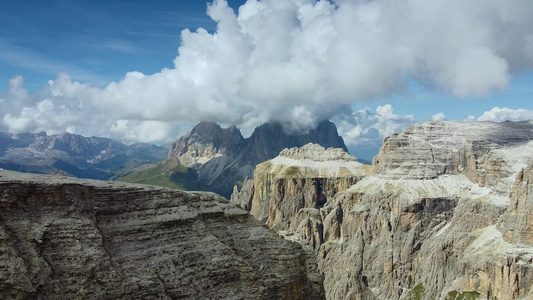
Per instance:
(206,141)
(517,225)
(222,157)
(298,179)
(445,214)
(63,238)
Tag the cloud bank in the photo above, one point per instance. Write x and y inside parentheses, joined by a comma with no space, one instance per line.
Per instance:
(497,114)
(297,61)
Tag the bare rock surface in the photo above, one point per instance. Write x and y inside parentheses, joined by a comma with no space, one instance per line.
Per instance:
(65,238)
(299,178)
(444,214)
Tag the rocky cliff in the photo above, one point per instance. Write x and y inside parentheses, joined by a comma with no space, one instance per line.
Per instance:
(445,214)
(63,238)
(284,188)
(222,157)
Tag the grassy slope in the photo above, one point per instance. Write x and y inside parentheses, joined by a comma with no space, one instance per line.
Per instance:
(179,177)
(154,176)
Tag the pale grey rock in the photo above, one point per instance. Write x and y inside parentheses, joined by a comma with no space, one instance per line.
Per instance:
(243,198)
(317,153)
(445,214)
(64,238)
(299,179)
(428,150)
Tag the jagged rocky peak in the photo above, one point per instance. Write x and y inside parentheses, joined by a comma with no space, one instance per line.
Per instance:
(269,139)
(75,144)
(315,152)
(222,157)
(206,141)
(211,133)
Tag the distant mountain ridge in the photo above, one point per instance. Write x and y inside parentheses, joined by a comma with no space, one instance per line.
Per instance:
(66,153)
(222,157)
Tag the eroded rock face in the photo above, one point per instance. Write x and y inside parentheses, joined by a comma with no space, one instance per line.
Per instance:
(444,215)
(428,150)
(62,238)
(298,179)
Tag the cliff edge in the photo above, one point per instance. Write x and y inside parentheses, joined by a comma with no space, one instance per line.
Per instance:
(64,238)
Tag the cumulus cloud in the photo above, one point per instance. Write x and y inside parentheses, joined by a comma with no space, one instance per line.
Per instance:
(497,114)
(367,128)
(297,61)
(470,119)
(439,117)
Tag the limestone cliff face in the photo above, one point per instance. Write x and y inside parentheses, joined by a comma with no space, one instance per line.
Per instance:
(297,179)
(63,238)
(428,150)
(445,214)
(517,224)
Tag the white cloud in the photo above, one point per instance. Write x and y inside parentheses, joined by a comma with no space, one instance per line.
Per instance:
(300,61)
(364,127)
(439,117)
(146,131)
(497,114)
(470,119)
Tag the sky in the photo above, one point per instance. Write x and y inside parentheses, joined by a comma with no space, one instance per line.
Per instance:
(148,71)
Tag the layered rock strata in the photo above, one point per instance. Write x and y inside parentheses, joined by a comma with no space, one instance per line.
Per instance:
(444,215)
(298,179)
(62,238)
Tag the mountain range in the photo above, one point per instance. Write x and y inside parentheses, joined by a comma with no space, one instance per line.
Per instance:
(75,155)
(444,212)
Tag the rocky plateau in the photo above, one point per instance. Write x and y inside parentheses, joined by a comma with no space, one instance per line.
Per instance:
(444,212)
(67,238)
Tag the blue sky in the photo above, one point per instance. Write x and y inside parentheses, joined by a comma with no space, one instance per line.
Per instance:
(97,41)
(128,70)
